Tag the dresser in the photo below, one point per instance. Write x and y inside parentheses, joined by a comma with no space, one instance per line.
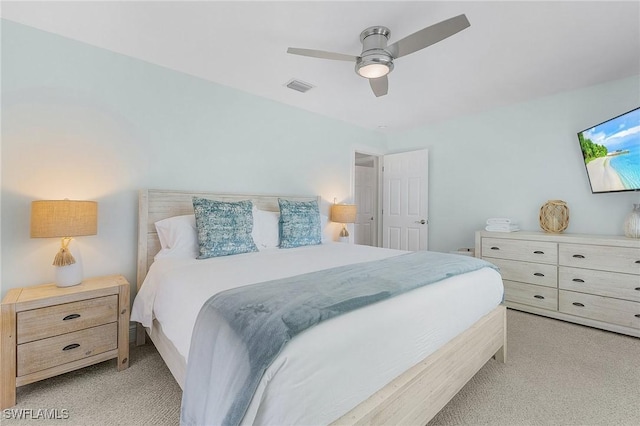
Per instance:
(48,330)
(587,279)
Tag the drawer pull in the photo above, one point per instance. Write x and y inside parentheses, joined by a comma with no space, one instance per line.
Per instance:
(637,288)
(637,315)
(71,346)
(70,317)
(578,280)
(578,304)
(538,252)
(537,296)
(578,256)
(637,261)
(495,248)
(538,274)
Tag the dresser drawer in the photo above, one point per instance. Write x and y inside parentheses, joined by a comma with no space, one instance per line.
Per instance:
(603,258)
(611,284)
(46,353)
(532,295)
(526,272)
(60,319)
(615,311)
(528,251)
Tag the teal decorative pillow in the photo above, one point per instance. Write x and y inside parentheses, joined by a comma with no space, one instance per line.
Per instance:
(299,223)
(224,228)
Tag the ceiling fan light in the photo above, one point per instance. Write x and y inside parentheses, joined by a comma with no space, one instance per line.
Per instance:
(374,70)
(374,63)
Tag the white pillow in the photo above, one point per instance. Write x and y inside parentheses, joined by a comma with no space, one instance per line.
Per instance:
(266,229)
(178,236)
(328,229)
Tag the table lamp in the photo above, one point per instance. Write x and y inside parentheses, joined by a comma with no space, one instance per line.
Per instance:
(65,219)
(343,213)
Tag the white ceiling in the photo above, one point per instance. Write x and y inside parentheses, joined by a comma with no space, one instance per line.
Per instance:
(513,51)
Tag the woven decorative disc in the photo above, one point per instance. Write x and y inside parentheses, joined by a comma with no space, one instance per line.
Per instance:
(554,216)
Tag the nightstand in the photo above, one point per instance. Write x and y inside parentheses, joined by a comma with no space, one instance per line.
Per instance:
(47,330)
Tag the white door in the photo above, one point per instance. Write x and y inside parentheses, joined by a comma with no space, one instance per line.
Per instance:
(404,200)
(366,191)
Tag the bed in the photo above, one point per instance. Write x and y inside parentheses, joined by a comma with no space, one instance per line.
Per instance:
(430,369)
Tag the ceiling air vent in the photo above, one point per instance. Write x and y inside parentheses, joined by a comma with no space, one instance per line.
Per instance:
(299,85)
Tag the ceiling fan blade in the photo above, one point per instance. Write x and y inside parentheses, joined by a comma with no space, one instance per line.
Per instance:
(380,85)
(428,36)
(322,54)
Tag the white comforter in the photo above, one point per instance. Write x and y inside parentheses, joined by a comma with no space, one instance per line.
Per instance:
(329,369)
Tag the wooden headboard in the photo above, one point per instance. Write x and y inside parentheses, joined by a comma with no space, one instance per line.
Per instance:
(155,205)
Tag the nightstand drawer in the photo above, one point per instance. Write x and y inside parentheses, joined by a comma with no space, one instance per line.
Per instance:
(529,251)
(54,351)
(600,308)
(61,319)
(532,295)
(614,259)
(526,272)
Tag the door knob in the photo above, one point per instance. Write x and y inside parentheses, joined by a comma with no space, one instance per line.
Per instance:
(421,222)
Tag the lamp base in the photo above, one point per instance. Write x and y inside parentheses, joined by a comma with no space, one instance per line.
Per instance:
(70,275)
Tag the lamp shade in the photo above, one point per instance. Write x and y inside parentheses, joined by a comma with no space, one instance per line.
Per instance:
(343,213)
(63,218)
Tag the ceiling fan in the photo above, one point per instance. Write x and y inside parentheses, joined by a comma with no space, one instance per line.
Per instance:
(376,59)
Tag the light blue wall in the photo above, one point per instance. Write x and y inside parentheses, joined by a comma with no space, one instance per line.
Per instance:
(84,123)
(80,122)
(511,160)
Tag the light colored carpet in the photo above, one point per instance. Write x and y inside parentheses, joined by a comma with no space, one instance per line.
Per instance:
(557,374)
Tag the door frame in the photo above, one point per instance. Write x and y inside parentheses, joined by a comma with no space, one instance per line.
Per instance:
(378,208)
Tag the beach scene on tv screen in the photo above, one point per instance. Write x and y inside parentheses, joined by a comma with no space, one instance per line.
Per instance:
(611,152)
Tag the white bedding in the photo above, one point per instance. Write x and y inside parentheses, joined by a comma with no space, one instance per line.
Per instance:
(330,368)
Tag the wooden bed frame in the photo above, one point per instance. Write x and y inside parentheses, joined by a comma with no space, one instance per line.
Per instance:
(412,398)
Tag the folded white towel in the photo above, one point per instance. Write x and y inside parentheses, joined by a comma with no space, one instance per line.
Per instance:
(502,228)
(499,220)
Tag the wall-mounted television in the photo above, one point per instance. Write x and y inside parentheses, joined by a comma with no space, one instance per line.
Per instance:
(611,152)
